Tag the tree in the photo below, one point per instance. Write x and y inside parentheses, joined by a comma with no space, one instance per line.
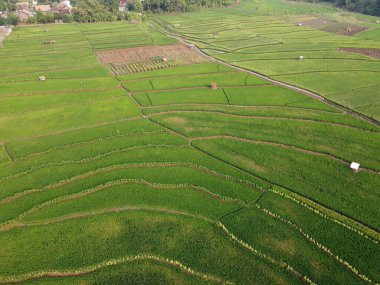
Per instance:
(137,6)
(12,20)
(3,5)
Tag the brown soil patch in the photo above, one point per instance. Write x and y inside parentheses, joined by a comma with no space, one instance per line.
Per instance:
(332,26)
(140,59)
(371,52)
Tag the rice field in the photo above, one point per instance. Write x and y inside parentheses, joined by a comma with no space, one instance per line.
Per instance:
(271,41)
(155,177)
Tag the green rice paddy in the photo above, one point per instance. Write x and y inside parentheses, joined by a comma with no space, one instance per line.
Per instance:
(156,178)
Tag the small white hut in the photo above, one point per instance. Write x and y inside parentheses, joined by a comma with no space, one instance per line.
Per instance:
(355,166)
(301,58)
(42,78)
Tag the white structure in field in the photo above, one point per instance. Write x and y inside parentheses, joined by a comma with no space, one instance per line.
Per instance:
(301,58)
(355,166)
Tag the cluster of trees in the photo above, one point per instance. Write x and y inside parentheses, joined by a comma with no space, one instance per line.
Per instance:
(370,7)
(86,11)
(182,5)
(11,20)
(45,18)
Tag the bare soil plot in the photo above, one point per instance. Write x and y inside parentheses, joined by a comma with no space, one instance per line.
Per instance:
(140,59)
(332,26)
(371,52)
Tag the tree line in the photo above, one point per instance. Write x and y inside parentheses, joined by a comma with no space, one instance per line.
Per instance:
(87,11)
(369,7)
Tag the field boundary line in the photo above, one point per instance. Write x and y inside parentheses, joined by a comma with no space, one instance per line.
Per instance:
(323,248)
(288,189)
(177,76)
(274,118)
(60,91)
(243,107)
(9,156)
(200,87)
(59,106)
(225,95)
(224,230)
(114,262)
(276,82)
(288,146)
(322,71)
(293,58)
(88,159)
(88,142)
(282,264)
(116,167)
(74,129)
(321,211)
(48,70)
(123,181)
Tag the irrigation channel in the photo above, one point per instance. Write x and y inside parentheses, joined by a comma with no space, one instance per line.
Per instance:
(286,85)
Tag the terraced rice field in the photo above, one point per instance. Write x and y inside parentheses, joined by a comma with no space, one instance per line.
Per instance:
(270,41)
(155,178)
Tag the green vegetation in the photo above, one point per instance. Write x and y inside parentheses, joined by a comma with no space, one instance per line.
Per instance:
(370,7)
(276,33)
(158,178)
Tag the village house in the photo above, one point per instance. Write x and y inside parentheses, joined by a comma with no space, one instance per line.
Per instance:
(22,5)
(23,14)
(43,8)
(122,5)
(66,3)
(64,7)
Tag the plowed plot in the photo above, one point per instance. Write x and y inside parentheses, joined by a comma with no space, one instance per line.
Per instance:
(333,27)
(140,59)
(371,52)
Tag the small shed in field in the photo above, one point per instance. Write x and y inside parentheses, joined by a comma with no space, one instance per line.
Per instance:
(214,86)
(301,58)
(355,166)
(49,42)
(42,78)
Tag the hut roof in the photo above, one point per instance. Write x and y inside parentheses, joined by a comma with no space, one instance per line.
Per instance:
(354,165)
